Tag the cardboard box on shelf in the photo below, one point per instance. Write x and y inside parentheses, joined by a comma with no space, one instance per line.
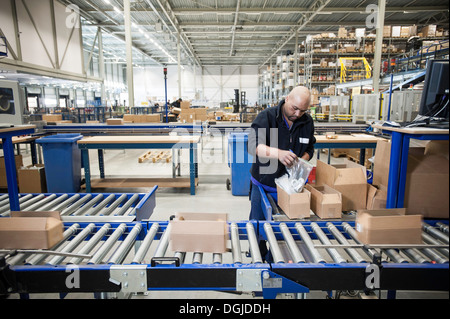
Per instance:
(19,163)
(326,202)
(199,232)
(427,177)
(295,205)
(387,31)
(429,30)
(388,226)
(342,32)
(32,179)
(31,230)
(349,179)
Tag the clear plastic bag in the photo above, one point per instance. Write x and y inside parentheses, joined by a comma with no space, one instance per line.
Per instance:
(299,173)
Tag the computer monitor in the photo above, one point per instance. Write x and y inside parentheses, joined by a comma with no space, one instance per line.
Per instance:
(434,102)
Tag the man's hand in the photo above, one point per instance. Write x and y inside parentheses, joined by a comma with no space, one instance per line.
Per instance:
(287,158)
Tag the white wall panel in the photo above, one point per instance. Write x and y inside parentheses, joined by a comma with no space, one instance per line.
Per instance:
(41,44)
(217,84)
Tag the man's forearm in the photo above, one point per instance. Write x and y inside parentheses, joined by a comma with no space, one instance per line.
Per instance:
(265,151)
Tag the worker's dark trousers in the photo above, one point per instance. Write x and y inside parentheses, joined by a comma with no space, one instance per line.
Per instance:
(256,213)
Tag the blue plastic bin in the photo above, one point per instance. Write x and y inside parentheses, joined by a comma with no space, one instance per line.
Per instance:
(62,159)
(240,162)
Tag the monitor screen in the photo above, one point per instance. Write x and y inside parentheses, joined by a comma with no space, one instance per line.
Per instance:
(434,102)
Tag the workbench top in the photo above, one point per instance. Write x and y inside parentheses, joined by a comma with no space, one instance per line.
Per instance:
(353,138)
(130,139)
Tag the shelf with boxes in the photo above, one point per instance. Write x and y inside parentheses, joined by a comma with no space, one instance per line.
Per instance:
(318,65)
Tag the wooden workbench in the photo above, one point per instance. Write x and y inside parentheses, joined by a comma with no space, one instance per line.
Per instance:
(139,142)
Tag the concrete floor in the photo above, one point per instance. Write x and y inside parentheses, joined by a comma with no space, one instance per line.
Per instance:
(211,196)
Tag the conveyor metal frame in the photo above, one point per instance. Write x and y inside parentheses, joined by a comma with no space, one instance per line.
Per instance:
(165,272)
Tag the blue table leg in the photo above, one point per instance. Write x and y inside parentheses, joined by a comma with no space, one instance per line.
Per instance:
(11,175)
(101,163)
(403,170)
(87,170)
(192,168)
(394,169)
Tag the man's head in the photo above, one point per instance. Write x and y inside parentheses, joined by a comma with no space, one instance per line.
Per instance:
(297,103)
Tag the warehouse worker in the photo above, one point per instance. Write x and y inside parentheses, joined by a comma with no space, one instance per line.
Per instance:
(279,135)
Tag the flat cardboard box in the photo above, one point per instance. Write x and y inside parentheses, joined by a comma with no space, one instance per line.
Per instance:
(31,230)
(427,177)
(32,179)
(114,121)
(199,232)
(376,197)
(349,178)
(151,118)
(19,163)
(326,202)
(295,205)
(388,226)
(52,117)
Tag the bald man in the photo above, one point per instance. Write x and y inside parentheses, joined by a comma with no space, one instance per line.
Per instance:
(279,135)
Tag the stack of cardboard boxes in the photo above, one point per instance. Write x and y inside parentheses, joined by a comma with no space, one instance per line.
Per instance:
(191,115)
(344,187)
(30,179)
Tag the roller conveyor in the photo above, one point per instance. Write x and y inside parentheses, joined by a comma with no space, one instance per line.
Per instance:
(306,256)
(127,207)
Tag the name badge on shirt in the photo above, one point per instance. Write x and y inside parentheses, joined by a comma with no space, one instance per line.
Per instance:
(303,140)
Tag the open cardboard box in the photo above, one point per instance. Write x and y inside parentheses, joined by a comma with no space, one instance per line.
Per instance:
(32,179)
(376,197)
(31,230)
(199,232)
(427,177)
(388,226)
(349,179)
(294,205)
(326,202)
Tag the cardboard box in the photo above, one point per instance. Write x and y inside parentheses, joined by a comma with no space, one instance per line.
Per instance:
(185,104)
(295,205)
(342,33)
(199,232)
(388,226)
(427,177)
(376,197)
(31,230)
(176,110)
(114,121)
(151,118)
(129,118)
(326,202)
(429,30)
(387,31)
(52,117)
(349,179)
(32,179)
(19,163)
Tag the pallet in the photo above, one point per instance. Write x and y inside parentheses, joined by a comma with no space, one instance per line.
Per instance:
(156,156)
(367,164)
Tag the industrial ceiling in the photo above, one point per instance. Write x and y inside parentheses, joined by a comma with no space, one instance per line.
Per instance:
(234,32)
